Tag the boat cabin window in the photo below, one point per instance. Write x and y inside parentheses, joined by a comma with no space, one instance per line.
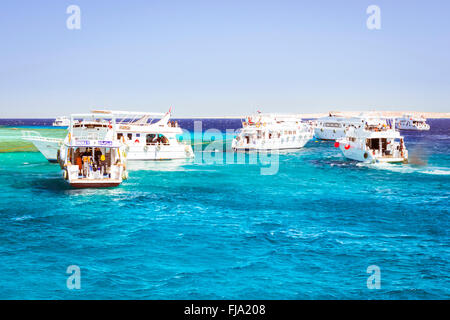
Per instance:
(332,125)
(156,139)
(151,139)
(119,136)
(130,136)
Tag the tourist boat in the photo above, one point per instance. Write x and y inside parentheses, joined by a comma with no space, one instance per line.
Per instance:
(148,140)
(265,132)
(47,146)
(332,127)
(61,122)
(409,122)
(91,156)
(144,140)
(374,139)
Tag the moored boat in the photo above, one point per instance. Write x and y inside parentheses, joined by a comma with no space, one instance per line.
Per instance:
(91,156)
(409,122)
(61,122)
(373,140)
(266,132)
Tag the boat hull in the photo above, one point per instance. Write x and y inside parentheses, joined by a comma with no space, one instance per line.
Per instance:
(161,152)
(48,148)
(365,156)
(329,134)
(268,145)
(94,183)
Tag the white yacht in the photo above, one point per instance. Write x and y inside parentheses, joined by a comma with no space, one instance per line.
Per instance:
(409,122)
(61,122)
(265,132)
(148,140)
(91,156)
(333,126)
(374,139)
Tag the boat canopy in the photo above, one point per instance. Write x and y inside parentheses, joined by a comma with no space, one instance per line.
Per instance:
(137,118)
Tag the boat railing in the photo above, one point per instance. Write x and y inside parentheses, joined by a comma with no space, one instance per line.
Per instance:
(36,136)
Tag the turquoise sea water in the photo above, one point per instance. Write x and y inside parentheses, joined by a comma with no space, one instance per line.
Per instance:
(192,230)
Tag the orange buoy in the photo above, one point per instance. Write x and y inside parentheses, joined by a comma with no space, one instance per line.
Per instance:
(336,144)
(347,146)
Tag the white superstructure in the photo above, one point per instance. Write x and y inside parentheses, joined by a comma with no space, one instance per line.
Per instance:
(61,122)
(91,156)
(374,139)
(409,122)
(148,140)
(272,132)
(332,127)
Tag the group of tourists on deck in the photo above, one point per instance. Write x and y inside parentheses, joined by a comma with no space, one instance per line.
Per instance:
(173,124)
(89,161)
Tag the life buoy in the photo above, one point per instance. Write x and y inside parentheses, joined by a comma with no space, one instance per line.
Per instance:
(347,146)
(336,144)
(136,141)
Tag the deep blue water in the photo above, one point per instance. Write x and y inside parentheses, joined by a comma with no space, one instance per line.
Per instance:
(193,230)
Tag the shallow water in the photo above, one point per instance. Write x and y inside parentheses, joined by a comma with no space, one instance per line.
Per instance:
(192,230)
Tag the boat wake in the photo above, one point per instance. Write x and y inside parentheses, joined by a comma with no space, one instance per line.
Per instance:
(406,168)
(438,172)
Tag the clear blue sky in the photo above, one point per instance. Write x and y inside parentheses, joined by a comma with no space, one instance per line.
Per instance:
(223,57)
